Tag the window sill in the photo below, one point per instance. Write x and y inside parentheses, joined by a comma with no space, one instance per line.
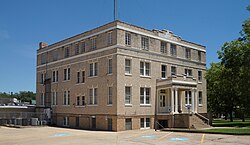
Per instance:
(200,105)
(80,83)
(64,81)
(149,77)
(92,76)
(92,105)
(126,74)
(80,106)
(199,82)
(128,105)
(145,105)
(109,74)
(66,105)
(109,105)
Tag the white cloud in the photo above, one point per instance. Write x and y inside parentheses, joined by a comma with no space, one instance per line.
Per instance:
(4,34)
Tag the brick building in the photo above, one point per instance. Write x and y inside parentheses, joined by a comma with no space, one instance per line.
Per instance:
(120,76)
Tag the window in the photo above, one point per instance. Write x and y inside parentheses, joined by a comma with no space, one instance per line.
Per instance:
(110,66)
(188,72)
(83,100)
(163,71)
(93,69)
(128,124)
(200,98)
(42,78)
(83,76)
(78,100)
(144,96)
(77,51)
(199,76)
(65,121)
(144,68)
(109,95)
(163,47)
(66,74)
(54,98)
(42,99)
(83,47)
(93,96)
(93,43)
(199,55)
(188,98)
(173,50)
(55,76)
(188,53)
(127,38)
(80,77)
(110,38)
(128,95)
(55,55)
(128,66)
(66,52)
(173,70)
(43,58)
(145,122)
(66,98)
(144,43)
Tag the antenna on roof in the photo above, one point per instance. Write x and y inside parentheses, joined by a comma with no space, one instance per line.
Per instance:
(114,10)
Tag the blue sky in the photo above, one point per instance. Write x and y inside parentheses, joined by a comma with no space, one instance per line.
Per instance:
(24,23)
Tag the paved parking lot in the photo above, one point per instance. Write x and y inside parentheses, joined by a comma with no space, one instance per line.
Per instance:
(62,136)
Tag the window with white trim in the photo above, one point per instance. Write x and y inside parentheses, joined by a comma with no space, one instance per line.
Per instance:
(54,98)
(144,68)
(163,47)
(188,53)
(128,95)
(173,50)
(83,47)
(93,69)
(110,38)
(55,76)
(145,123)
(128,39)
(83,100)
(77,51)
(93,96)
(200,98)
(188,72)
(144,96)
(78,101)
(109,96)
(188,98)
(199,76)
(65,121)
(199,56)
(93,43)
(66,74)
(163,71)
(66,98)
(55,55)
(66,52)
(144,43)
(173,70)
(110,66)
(128,67)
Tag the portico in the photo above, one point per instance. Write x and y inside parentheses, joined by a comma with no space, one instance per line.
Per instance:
(177,95)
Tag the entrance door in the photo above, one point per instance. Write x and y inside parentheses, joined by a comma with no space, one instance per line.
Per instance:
(77,121)
(110,124)
(162,104)
(93,123)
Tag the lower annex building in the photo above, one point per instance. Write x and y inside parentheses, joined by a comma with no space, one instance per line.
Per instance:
(120,77)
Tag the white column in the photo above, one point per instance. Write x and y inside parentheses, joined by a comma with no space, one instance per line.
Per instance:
(172,100)
(188,98)
(196,101)
(176,100)
(181,97)
(193,100)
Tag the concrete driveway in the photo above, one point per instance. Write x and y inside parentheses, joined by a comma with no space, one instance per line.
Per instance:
(63,136)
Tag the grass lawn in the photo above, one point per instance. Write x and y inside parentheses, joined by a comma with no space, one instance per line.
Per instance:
(227,123)
(234,130)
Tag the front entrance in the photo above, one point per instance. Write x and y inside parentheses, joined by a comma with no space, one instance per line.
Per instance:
(93,122)
(110,124)
(163,104)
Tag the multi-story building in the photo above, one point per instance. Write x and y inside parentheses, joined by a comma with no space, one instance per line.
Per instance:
(119,77)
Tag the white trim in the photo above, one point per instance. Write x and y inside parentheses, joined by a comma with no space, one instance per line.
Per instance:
(184,82)
(158,37)
(80,39)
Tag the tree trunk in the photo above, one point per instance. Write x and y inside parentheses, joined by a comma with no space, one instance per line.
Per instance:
(243,117)
(231,116)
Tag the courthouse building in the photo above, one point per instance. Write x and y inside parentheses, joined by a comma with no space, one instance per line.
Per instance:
(120,77)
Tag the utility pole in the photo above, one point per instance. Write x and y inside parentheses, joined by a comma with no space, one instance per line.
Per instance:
(114,10)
